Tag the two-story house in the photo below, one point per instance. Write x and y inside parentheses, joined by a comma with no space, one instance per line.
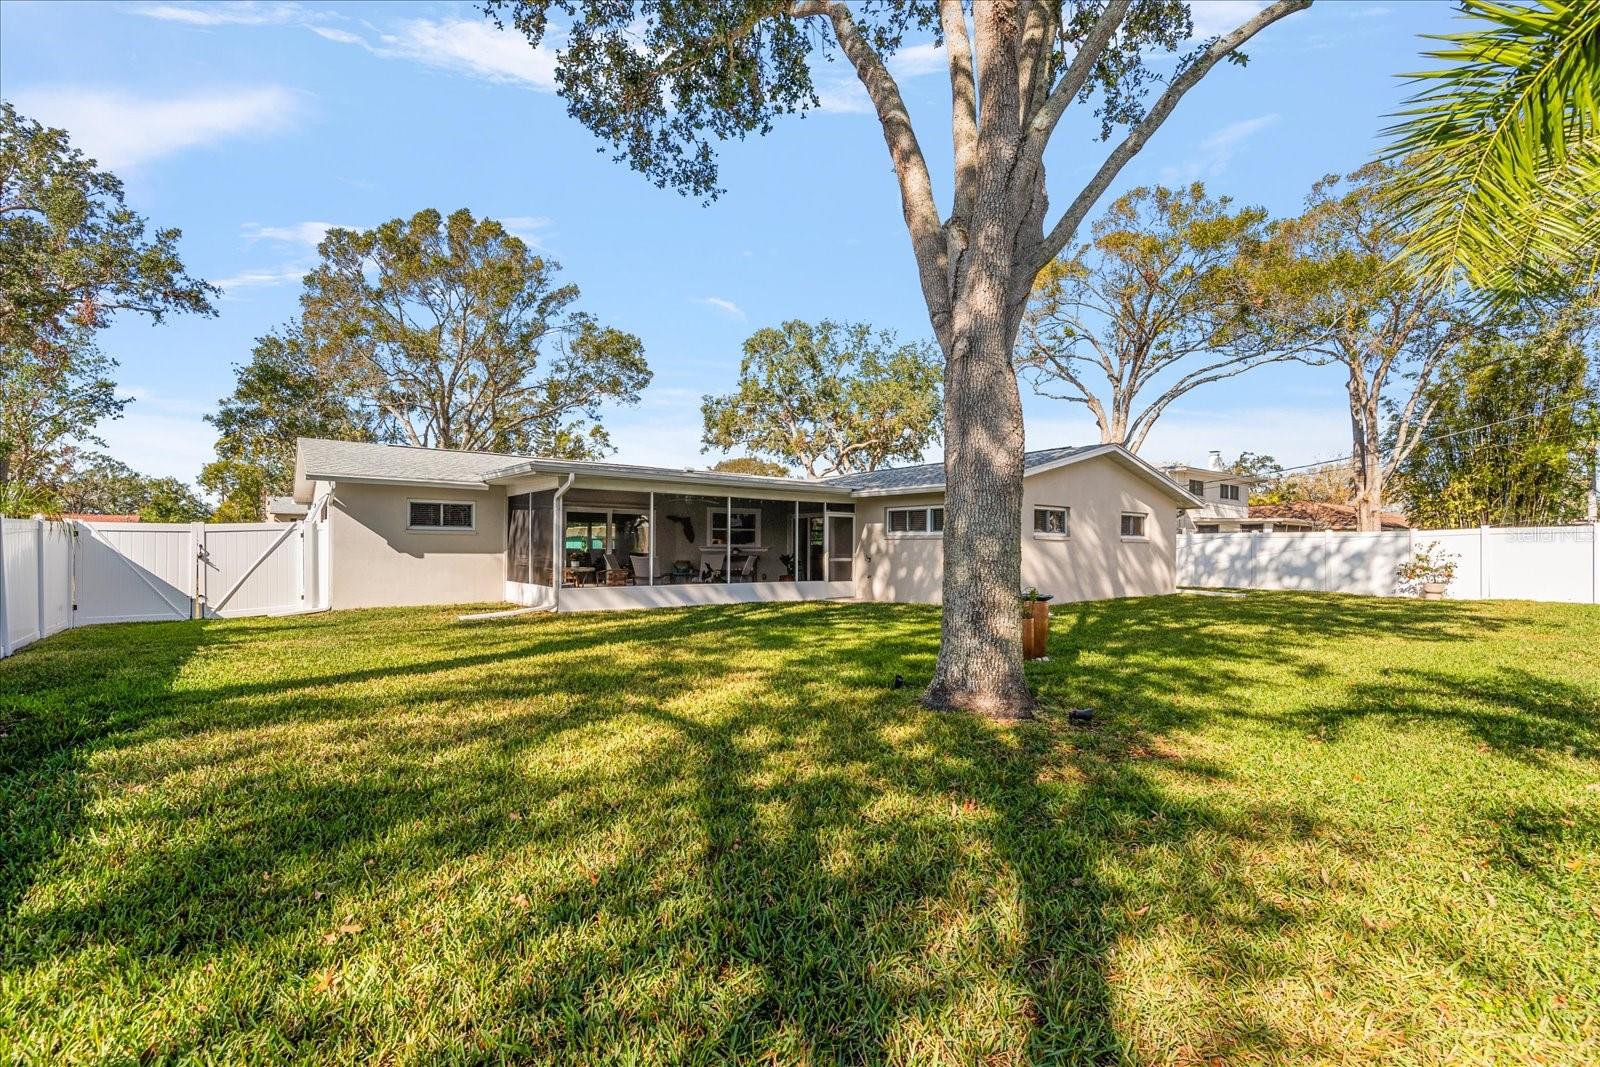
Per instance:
(1227,501)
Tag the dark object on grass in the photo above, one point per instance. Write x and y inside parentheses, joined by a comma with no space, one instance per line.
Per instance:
(899,681)
(1081,714)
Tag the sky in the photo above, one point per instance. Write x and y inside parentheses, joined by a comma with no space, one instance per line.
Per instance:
(254,127)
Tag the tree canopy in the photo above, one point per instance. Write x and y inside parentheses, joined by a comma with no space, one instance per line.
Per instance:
(72,256)
(1150,309)
(1338,290)
(1515,422)
(454,334)
(277,397)
(829,398)
(751,465)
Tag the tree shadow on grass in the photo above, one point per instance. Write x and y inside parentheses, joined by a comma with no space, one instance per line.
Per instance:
(728,837)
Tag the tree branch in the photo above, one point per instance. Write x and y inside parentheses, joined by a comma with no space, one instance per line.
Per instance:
(1187,79)
(963,105)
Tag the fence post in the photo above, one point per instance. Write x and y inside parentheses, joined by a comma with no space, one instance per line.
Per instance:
(38,543)
(197,591)
(1483,562)
(1594,563)
(5,616)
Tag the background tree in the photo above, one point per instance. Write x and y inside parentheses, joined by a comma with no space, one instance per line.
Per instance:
(72,255)
(1502,150)
(751,465)
(1146,312)
(1336,285)
(660,81)
(277,397)
(455,335)
(98,484)
(829,398)
(1511,441)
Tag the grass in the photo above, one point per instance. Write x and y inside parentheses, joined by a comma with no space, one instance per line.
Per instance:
(1300,828)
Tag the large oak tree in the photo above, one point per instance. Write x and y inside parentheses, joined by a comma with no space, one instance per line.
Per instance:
(1153,307)
(455,334)
(829,398)
(662,81)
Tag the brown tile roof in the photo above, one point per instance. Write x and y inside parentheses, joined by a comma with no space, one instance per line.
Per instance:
(1325,516)
(87,516)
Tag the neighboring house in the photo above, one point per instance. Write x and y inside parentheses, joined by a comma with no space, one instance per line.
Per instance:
(1224,494)
(433,526)
(1309,515)
(285,509)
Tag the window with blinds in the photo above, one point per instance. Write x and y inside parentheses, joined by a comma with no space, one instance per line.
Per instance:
(912,521)
(440,515)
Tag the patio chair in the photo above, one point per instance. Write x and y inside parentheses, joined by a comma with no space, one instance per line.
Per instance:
(616,573)
(641,568)
(745,571)
(712,563)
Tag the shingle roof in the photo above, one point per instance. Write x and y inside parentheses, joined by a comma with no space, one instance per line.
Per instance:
(332,460)
(1325,516)
(931,475)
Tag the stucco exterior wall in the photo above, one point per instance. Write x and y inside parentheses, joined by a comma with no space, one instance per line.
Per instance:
(1092,563)
(378,562)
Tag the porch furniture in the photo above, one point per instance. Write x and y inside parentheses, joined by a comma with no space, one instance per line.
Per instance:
(641,568)
(745,569)
(712,564)
(577,574)
(682,571)
(616,573)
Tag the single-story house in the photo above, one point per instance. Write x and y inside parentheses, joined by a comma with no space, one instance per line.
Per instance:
(433,526)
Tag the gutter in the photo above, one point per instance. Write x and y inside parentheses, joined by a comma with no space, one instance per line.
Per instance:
(557,541)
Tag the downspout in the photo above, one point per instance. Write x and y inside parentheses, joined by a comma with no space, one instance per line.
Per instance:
(556,549)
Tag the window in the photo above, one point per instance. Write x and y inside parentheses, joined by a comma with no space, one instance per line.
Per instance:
(1228,491)
(1050,521)
(441,515)
(1207,528)
(1133,526)
(1251,527)
(746,526)
(1197,487)
(915,522)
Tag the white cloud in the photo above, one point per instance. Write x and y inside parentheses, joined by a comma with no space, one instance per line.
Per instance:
(727,307)
(1213,154)
(241,13)
(262,278)
(121,130)
(468,46)
(915,60)
(341,36)
(1213,18)
(528,227)
(842,96)
(297,233)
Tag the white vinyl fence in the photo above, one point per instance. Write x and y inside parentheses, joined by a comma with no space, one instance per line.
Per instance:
(1557,563)
(62,574)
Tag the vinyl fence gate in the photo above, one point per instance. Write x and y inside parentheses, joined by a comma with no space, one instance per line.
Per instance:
(62,574)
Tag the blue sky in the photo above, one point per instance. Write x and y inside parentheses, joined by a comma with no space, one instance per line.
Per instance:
(254,126)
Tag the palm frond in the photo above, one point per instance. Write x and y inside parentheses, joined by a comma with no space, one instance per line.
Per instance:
(1501,149)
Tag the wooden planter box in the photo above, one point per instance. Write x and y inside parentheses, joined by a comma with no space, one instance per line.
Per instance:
(1035,628)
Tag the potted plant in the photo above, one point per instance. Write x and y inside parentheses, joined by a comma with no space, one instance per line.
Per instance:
(788,567)
(1035,611)
(1428,572)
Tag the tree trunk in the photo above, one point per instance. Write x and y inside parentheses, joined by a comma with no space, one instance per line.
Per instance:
(980,650)
(1367,463)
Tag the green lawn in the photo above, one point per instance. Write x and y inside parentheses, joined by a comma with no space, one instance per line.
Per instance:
(1300,828)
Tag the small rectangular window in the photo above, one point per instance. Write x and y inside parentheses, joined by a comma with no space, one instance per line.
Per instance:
(440,515)
(1197,487)
(1133,525)
(914,521)
(1228,492)
(1050,521)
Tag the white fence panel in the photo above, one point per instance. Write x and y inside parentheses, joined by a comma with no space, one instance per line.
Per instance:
(21,550)
(252,569)
(1557,563)
(134,572)
(57,590)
